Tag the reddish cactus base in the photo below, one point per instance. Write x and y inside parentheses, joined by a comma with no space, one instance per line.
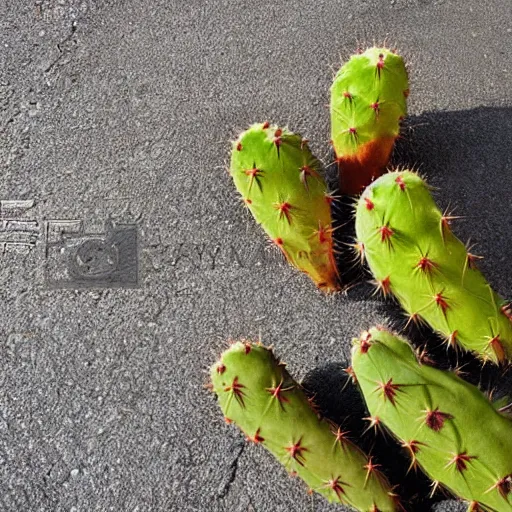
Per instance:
(361,168)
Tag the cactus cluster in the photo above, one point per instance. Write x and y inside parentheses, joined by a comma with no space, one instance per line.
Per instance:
(414,255)
(368,101)
(447,426)
(280,181)
(256,393)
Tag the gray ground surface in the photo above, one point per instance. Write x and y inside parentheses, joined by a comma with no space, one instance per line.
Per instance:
(123,109)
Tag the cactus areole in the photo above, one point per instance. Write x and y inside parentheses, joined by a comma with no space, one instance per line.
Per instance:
(413,254)
(257,394)
(280,182)
(368,101)
(446,425)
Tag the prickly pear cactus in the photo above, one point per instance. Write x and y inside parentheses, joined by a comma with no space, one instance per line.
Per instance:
(414,255)
(280,182)
(368,101)
(448,427)
(256,393)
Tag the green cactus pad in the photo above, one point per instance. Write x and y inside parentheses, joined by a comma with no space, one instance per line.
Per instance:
(413,254)
(280,182)
(448,427)
(368,101)
(256,393)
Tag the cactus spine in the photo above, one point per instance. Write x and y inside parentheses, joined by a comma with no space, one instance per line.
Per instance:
(368,100)
(448,427)
(256,393)
(280,182)
(414,255)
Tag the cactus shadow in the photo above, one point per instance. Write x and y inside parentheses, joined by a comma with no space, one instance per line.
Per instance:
(457,144)
(339,400)
(348,263)
(466,154)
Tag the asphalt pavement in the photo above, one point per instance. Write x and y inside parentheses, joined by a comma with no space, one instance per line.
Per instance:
(127,261)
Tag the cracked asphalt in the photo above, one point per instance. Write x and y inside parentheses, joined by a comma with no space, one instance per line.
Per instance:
(121,111)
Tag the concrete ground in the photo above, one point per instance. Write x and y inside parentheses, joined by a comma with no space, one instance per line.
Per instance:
(115,115)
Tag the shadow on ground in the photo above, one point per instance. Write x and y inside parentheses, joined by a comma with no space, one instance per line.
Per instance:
(458,144)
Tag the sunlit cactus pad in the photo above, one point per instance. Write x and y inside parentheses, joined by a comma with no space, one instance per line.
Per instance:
(280,182)
(413,254)
(447,426)
(256,393)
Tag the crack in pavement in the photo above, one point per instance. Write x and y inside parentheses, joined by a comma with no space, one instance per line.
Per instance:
(61,52)
(238,449)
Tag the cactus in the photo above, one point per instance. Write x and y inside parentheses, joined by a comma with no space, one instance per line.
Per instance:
(280,182)
(413,254)
(256,393)
(368,101)
(448,427)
